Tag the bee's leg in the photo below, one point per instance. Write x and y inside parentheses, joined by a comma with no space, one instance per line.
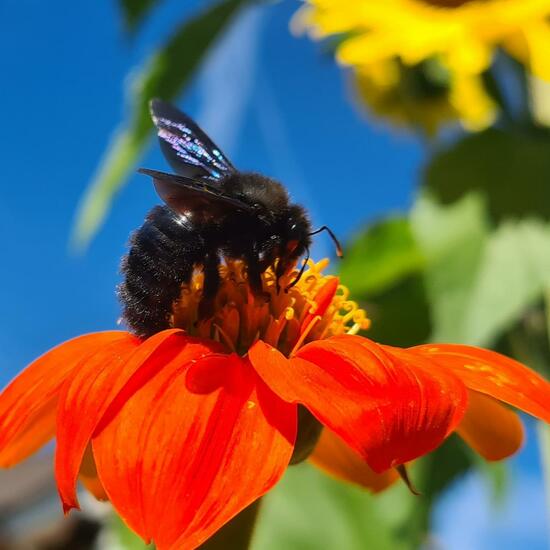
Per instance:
(211,285)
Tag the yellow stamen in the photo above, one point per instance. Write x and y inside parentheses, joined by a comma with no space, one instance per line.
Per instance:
(286,321)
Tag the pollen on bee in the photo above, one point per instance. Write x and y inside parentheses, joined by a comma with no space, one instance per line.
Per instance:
(315,308)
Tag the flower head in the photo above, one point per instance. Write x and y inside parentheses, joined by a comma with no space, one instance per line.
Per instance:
(184,429)
(424,96)
(460,35)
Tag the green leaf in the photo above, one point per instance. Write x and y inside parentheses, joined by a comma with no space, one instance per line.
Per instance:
(310,511)
(135,10)
(512,276)
(382,268)
(510,169)
(452,239)
(400,315)
(479,283)
(381,256)
(122,154)
(165,75)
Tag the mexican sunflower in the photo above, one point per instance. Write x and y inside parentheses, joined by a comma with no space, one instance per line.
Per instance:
(182,430)
(461,35)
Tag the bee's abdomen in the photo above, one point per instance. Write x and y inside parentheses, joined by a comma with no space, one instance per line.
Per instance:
(161,258)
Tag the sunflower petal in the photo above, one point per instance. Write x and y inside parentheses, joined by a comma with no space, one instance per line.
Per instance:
(27,405)
(336,458)
(493,374)
(389,410)
(491,429)
(177,465)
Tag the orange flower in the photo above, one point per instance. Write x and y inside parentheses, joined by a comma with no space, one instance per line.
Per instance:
(183,430)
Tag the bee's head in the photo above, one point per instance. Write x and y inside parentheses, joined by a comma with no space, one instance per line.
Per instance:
(297,240)
(293,230)
(295,233)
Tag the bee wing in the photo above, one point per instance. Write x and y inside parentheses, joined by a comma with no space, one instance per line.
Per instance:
(190,152)
(188,196)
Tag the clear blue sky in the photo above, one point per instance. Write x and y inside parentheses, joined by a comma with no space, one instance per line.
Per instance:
(276,104)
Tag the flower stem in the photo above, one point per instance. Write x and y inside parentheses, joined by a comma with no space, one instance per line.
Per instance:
(237,534)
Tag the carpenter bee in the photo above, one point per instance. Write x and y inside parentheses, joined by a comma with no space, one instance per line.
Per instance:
(212,212)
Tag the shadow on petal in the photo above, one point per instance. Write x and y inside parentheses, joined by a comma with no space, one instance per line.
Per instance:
(339,460)
(491,429)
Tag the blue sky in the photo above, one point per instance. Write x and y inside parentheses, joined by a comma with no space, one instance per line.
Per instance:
(276,104)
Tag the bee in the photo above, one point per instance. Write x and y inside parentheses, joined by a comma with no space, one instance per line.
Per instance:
(211,212)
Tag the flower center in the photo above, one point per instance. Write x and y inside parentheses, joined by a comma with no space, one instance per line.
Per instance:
(315,308)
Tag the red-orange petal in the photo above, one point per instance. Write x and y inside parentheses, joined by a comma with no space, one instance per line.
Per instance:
(177,465)
(27,405)
(339,460)
(390,411)
(84,398)
(490,428)
(493,374)
(323,299)
(37,431)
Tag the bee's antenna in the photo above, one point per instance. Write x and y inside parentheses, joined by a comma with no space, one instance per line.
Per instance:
(339,251)
(299,276)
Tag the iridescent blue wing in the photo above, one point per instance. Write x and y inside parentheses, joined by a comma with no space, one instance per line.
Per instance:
(190,152)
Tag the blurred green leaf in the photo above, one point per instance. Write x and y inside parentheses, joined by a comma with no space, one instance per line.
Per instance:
(452,239)
(165,75)
(445,465)
(380,256)
(135,10)
(433,475)
(512,276)
(479,283)
(498,476)
(400,315)
(311,511)
(382,268)
(448,269)
(237,533)
(121,536)
(510,169)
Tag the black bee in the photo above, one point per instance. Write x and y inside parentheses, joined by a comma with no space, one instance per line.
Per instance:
(212,211)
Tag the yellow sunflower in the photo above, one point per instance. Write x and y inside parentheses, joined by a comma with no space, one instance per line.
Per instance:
(424,96)
(461,34)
